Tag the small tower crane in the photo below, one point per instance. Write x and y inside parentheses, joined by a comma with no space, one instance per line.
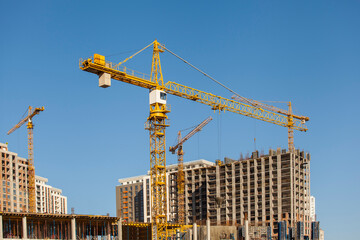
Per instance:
(31,169)
(287,113)
(158,119)
(180,175)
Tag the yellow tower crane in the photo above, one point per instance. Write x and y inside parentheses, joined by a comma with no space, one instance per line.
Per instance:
(31,169)
(287,113)
(158,120)
(180,174)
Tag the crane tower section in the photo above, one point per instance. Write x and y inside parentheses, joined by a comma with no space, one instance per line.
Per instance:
(31,168)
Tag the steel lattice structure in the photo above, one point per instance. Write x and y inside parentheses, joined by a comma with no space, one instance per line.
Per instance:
(157,120)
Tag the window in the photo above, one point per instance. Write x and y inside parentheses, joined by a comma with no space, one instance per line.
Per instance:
(162,96)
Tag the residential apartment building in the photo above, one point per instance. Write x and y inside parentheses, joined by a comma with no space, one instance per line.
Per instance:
(133,195)
(265,189)
(48,198)
(13,181)
(14,187)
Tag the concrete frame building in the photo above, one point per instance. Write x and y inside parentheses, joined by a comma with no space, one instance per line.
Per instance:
(130,202)
(133,195)
(14,187)
(266,189)
(13,182)
(48,198)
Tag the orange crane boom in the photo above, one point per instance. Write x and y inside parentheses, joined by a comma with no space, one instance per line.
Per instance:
(31,169)
(180,173)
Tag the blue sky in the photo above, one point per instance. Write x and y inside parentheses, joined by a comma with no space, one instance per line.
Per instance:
(87,137)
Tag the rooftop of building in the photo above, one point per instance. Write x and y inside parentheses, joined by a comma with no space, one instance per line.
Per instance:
(45,180)
(170,168)
(5,148)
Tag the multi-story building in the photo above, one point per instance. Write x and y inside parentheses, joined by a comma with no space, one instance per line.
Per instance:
(130,199)
(14,187)
(265,189)
(48,198)
(14,181)
(133,194)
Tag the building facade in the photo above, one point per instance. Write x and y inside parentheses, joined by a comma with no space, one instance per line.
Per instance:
(265,189)
(14,181)
(48,198)
(133,195)
(14,187)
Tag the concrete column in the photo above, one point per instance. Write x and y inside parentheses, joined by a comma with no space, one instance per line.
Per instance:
(208,229)
(73,229)
(247,230)
(195,231)
(108,231)
(1,228)
(233,194)
(190,234)
(119,229)
(218,216)
(24,228)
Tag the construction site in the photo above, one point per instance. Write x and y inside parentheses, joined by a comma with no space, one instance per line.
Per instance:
(262,196)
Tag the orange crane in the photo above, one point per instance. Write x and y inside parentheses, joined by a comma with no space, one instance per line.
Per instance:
(31,169)
(180,174)
(158,120)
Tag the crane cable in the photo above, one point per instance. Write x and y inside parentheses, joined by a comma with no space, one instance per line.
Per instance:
(133,55)
(207,75)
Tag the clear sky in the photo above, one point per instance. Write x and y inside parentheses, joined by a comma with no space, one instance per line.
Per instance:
(87,137)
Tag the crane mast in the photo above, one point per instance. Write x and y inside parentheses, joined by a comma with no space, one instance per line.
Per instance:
(156,124)
(31,168)
(287,113)
(158,120)
(180,174)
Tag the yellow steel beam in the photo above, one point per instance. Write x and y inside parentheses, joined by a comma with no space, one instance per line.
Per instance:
(216,102)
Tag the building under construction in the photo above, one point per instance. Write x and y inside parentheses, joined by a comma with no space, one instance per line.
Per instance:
(265,189)
(14,182)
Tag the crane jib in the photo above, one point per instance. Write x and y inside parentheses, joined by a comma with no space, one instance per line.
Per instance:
(133,77)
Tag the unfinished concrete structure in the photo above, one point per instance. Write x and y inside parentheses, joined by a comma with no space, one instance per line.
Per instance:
(13,181)
(14,190)
(133,195)
(265,189)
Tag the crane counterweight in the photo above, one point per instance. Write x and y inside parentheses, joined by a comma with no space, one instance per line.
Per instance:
(158,120)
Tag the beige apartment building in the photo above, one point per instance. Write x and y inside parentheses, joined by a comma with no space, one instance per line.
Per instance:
(133,194)
(48,198)
(14,181)
(14,185)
